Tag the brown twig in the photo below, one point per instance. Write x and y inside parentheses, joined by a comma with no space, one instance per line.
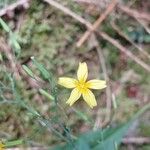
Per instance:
(143,24)
(70,13)
(116,28)
(98,122)
(67,11)
(134,13)
(102,34)
(124,50)
(97,23)
(137,16)
(14,6)
(136,140)
(4,47)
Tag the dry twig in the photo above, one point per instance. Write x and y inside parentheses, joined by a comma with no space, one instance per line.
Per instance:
(116,28)
(14,6)
(102,17)
(124,50)
(136,140)
(143,24)
(139,17)
(67,11)
(70,13)
(134,13)
(98,122)
(8,51)
(102,34)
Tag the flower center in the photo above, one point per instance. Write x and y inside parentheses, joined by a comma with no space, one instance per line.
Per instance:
(81,86)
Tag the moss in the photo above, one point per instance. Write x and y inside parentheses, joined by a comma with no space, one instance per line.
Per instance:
(145,129)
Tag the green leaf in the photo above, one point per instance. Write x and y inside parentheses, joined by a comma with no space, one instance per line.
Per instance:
(28,71)
(4,25)
(92,136)
(46,75)
(13,143)
(82,115)
(12,38)
(44,93)
(14,43)
(112,137)
(82,145)
(62,147)
(107,139)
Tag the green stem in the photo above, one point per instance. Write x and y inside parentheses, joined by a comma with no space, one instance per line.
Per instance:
(13,143)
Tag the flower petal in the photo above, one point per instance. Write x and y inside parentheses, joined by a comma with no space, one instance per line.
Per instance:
(82,72)
(67,82)
(89,97)
(96,84)
(1,146)
(74,96)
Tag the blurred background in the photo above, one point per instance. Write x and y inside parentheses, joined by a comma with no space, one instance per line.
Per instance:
(112,36)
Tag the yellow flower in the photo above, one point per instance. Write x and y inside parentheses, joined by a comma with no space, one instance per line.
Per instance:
(2,146)
(81,86)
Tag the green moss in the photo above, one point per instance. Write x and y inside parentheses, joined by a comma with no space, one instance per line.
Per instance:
(145,129)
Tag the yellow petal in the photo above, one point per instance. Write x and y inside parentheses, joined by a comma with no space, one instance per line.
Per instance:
(1,146)
(89,97)
(96,84)
(74,96)
(82,72)
(67,82)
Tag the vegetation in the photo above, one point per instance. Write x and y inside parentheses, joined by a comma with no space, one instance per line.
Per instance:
(38,46)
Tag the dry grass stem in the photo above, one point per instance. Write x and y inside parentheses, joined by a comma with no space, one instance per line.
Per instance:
(102,34)
(105,122)
(67,11)
(136,140)
(134,13)
(97,23)
(118,30)
(124,50)
(12,62)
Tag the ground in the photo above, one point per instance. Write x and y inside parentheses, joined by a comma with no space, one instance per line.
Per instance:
(50,35)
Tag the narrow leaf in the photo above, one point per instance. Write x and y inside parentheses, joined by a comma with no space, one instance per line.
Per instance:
(28,71)
(4,25)
(113,137)
(13,143)
(44,93)
(42,69)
